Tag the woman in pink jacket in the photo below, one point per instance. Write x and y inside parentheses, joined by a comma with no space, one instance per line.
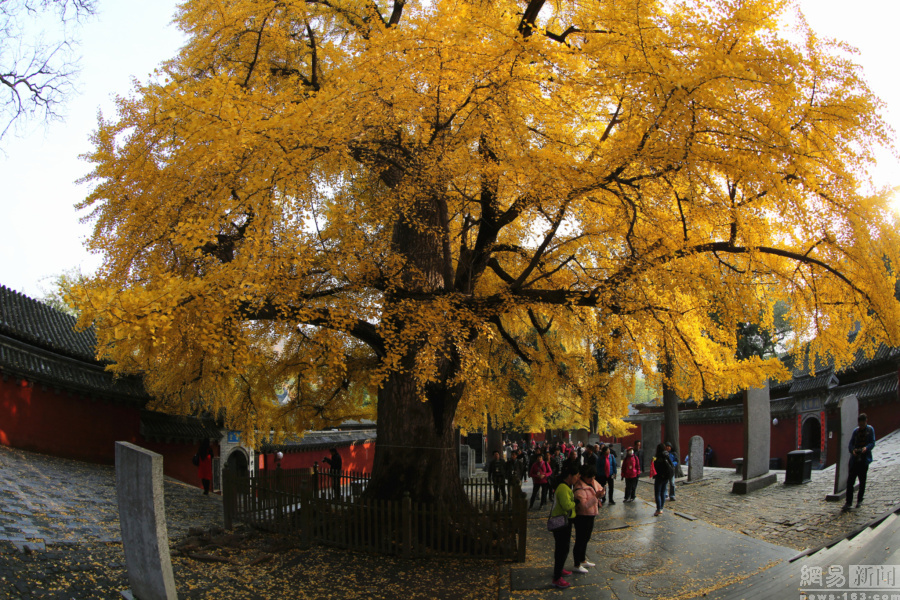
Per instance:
(587,503)
(540,477)
(631,470)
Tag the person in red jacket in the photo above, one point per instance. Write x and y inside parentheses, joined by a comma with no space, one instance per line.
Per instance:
(540,478)
(631,470)
(204,466)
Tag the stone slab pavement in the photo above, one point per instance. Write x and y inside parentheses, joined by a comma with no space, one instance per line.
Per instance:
(59,526)
(638,555)
(795,516)
(708,539)
(59,538)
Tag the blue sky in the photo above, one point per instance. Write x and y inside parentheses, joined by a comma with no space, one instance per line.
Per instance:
(42,236)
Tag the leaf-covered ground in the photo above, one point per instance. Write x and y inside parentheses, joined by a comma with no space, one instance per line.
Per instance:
(59,538)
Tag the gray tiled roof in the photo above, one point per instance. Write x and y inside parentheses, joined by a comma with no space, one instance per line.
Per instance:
(163,427)
(40,325)
(39,343)
(869,390)
(314,440)
(860,362)
(36,364)
(822,382)
(883,354)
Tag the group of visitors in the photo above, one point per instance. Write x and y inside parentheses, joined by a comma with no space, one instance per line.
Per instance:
(547,463)
(582,489)
(578,498)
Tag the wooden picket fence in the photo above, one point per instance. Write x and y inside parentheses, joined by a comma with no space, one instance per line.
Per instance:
(328,509)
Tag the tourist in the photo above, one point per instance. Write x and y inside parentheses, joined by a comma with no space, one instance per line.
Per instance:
(563,505)
(204,465)
(606,472)
(590,458)
(515,467)
(660,469)
(523,462)
(540,479)
(631,470)
(337,465)
(497,471)
(709,457)
(556,463)
(639,452)
(571,460)
(673,458)
(587,502)
(862,441)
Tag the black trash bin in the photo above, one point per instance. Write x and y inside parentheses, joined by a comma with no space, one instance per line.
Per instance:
(799,467)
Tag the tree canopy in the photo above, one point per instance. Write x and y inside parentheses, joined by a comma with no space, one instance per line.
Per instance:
(421,201)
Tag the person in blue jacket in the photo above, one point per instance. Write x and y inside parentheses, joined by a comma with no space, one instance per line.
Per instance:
(862,441)
(673,459)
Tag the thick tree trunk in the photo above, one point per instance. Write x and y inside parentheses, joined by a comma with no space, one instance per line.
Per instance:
(415,451)
(670,410)
(494,439)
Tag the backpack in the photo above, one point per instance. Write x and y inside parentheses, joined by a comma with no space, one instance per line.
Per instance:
(196,460)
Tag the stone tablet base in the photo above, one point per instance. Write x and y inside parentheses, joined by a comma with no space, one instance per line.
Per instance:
(841,495)
(751,485)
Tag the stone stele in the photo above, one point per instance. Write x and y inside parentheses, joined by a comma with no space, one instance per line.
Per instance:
(650,438)
(757,442)
(848,407)
(142,518)
(695,463)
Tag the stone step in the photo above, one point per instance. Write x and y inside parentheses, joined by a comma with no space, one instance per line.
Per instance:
(863,537)
(872,547)
(836,550)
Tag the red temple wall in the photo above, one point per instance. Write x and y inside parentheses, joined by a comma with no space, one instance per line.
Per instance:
(39,419)
(357,457)
(50,422)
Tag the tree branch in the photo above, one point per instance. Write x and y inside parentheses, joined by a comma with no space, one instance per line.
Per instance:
(510,340)
(362,330)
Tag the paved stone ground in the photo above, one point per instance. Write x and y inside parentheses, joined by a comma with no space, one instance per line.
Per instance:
(796,516)
(59,526)
(54,501)
(638,555)
(59,538)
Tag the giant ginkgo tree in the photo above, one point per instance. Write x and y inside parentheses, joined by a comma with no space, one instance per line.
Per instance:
(395,208)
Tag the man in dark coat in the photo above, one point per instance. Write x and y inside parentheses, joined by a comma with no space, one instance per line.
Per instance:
(498,472)
(337,465)
(862,441)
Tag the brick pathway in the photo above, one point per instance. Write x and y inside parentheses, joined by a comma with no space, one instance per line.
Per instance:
(796,516)
(59,526)
(48,500)
(59,538)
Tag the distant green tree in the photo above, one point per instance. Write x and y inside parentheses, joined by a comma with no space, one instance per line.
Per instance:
(55,292)
(755,339)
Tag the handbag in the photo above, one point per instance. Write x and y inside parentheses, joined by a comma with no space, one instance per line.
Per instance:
(554,523)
